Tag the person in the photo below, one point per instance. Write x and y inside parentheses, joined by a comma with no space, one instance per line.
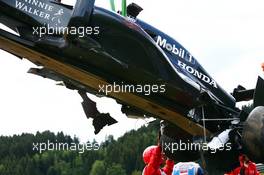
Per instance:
(153,158)
(187,168)
(246,167)
(234,172)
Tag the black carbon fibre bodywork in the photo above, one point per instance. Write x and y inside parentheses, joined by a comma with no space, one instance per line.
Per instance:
(122,50)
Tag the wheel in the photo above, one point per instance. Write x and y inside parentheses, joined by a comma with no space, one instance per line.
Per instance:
(253,135)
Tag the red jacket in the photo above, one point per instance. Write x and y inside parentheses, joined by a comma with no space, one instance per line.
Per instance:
(153,167)
(235,171)
(250,170)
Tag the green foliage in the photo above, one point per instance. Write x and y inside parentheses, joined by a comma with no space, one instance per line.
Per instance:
(136,172)
(115,169)
(98,168)
(115,157)
(248,108)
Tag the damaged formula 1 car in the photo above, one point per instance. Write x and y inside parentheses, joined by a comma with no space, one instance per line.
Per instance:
(89,48)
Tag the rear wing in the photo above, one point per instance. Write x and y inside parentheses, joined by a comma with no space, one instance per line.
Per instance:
(257,94)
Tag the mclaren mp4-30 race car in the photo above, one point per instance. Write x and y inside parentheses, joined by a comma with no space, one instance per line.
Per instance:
(94,50)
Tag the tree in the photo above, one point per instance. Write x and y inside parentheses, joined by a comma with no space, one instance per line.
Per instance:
(248,108)
(52,171)
(2,168)
(115,169)
(115,157)
(136,173)
(98,168)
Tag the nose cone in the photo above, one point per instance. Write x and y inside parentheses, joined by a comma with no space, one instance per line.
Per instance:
(253,135)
